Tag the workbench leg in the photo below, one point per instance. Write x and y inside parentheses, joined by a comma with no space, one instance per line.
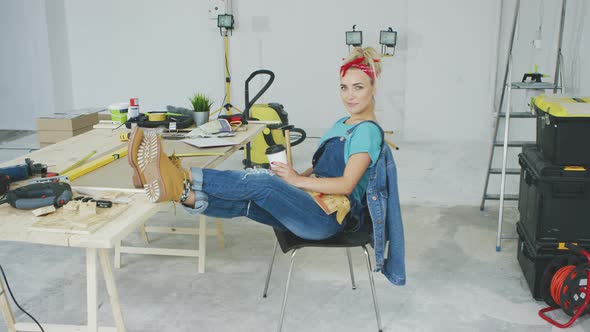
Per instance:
(109,279)
(202,242)
(144,233)
(91,290)
(220,237)
(117,254)
(5,308)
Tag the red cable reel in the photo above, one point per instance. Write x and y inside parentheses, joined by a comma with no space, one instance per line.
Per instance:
(569,289)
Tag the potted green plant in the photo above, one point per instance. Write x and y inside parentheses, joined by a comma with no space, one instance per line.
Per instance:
(201,108)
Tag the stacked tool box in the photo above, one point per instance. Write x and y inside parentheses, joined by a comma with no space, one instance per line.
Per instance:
(554,194)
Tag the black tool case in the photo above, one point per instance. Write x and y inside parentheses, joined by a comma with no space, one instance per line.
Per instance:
(563,129)
(554,201)
(539,262)
(182,121)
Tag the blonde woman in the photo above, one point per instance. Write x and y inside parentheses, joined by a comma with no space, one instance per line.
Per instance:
(282,198)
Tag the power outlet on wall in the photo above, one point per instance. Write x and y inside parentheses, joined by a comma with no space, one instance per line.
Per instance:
(216,7)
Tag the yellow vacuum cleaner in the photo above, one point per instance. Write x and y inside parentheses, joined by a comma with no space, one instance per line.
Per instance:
(255,152)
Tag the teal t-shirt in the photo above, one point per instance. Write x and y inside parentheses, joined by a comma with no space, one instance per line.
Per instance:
(364,138)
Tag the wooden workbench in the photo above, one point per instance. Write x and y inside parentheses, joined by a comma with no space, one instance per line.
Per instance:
(116,176)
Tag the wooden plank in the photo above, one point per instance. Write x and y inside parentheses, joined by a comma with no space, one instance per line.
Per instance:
(109,279)
(243,137)
(63,154)
(220,236)
(140,209)
(91,290)
(178,230)
(32,327)
(117,260)
(144,235)
(160,251)
(75,222)
(5,308)
(14,226)
(202,242)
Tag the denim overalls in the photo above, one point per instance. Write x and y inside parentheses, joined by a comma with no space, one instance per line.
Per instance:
(328,161)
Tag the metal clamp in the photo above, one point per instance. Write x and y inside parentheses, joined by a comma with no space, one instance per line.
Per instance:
(547,121)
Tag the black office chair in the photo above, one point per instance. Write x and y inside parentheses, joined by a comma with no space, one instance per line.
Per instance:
(289,241)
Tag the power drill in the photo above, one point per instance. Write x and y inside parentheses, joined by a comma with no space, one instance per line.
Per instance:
(24,171)
(4,184)
(38,195)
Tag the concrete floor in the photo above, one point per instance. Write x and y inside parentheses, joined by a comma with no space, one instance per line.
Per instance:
(456,280)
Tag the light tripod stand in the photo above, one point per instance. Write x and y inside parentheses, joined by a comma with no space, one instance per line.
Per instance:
(225,24)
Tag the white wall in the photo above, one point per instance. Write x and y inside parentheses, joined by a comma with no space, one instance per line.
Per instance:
(162,52)
(576,44)
(158,51)
(304,46)
(59,52)
(26,87)
(450,69)
(440,85)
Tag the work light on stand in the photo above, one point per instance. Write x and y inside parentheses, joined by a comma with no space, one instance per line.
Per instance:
(388,39)
(354,38)
(225,21)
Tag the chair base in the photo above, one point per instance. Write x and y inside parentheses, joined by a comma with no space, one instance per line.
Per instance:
(285,294)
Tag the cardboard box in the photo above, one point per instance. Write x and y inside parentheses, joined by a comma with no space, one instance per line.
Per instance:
(59,126)
(54,136)
(104,115)
(69,121)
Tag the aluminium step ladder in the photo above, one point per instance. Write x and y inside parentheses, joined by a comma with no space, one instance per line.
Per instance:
(506,115)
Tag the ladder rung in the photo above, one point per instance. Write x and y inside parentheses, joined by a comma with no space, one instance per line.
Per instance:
(515,143)
(515,171)
(520,115)
(534,85)
(496,197)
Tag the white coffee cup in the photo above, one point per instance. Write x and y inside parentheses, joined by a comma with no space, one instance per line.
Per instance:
(276,153)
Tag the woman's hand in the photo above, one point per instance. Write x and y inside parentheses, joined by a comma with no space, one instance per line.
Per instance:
(286,173)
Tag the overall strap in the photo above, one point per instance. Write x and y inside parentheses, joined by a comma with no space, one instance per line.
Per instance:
(351,129)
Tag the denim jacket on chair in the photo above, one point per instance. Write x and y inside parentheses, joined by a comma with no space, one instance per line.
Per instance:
(384,207)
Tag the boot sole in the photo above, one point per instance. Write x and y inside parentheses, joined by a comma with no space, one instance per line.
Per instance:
(148,158)
(137,176)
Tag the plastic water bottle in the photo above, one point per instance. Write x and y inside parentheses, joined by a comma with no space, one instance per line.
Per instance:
(133,111)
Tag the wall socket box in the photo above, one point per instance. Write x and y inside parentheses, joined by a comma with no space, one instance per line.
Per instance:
(217,7)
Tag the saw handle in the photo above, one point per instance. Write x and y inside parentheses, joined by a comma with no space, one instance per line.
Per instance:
(37,195)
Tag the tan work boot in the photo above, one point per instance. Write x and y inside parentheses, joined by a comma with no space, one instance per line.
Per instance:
(161,178)
(132,148)
(132,156)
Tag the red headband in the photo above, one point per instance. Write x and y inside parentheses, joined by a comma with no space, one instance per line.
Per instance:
(358,63)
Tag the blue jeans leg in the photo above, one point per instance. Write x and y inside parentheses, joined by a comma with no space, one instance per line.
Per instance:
(222,208)
(292,207)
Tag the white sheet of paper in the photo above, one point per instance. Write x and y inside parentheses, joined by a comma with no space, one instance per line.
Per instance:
(209,142)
